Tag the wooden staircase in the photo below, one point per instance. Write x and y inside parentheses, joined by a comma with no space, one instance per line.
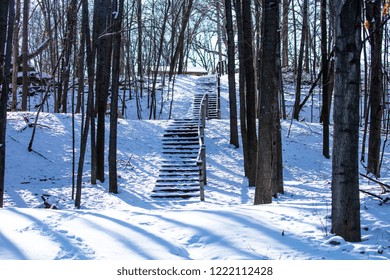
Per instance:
(207,86)
(182,169)
(179,173)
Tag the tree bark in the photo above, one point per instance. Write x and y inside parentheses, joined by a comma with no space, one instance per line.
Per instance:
(345,175)
(15,53)
(25,90)
(90,102)
(231,72)
(112,153)
(325,81)
(139,54)
(4,4)
(103,69)
(180,42)
(373,16)
(300,62)
(241,85)
(71,17)
(268,147)
(286,4)
(250,90)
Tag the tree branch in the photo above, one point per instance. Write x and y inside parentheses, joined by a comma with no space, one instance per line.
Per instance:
(383,185)
(40,49)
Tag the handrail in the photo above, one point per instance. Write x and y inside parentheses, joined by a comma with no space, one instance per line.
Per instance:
(201,159)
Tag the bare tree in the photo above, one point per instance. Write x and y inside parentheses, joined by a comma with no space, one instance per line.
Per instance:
(140,45)
(15,53)
(345,176)
(325,80)
(112,156)
(269,122)
(102,41)
(4,73)
(300,61)
(180,43)
(89,116)
(250,90)
(231,72)
(285,25)
(373,17)
(71,17)
(241,83)
(25,89)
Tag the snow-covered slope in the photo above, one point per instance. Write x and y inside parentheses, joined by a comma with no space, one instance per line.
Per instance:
(132,225)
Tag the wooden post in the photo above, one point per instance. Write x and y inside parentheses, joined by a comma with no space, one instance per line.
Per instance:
(203,113)
(201,182)
(219,96)
(203,157)
(206,103)
(201,161)
(201,131)
(202,170)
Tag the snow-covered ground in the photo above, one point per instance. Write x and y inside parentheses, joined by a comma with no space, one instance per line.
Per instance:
(132,225)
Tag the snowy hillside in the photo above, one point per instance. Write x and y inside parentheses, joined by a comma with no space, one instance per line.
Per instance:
(132,225)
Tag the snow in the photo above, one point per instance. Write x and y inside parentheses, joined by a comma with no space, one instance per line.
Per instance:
(132,225)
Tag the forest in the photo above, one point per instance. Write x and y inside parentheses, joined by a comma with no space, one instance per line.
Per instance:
(91,59)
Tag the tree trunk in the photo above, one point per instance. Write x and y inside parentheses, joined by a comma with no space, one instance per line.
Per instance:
(373,16)
(81,77)
(325,81)
(90,104)
(286,4)
(180,42)
(250,91)
(345,176)
(103,69)
(180,66)
(219,28)
(160,53)
(231,72)
(268,147)
(15,53)
(25,79)
(4,4)
(139,58)
(241,84)
(71,17)
(300,63)
(112,155)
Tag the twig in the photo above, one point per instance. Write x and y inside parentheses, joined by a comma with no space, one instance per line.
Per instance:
(383,185)
(383,200)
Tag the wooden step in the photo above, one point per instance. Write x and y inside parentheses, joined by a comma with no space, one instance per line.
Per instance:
(177,181)
(193,174)
(181,134)
(180,152)
(181,131)
(186,170)
(179,174)
(178,147)
(181,162)
(176,165)
(175,195)
(181,143)
(177,184)
(180,138)
(174,189)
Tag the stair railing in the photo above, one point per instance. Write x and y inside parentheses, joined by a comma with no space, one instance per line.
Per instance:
(201,159)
